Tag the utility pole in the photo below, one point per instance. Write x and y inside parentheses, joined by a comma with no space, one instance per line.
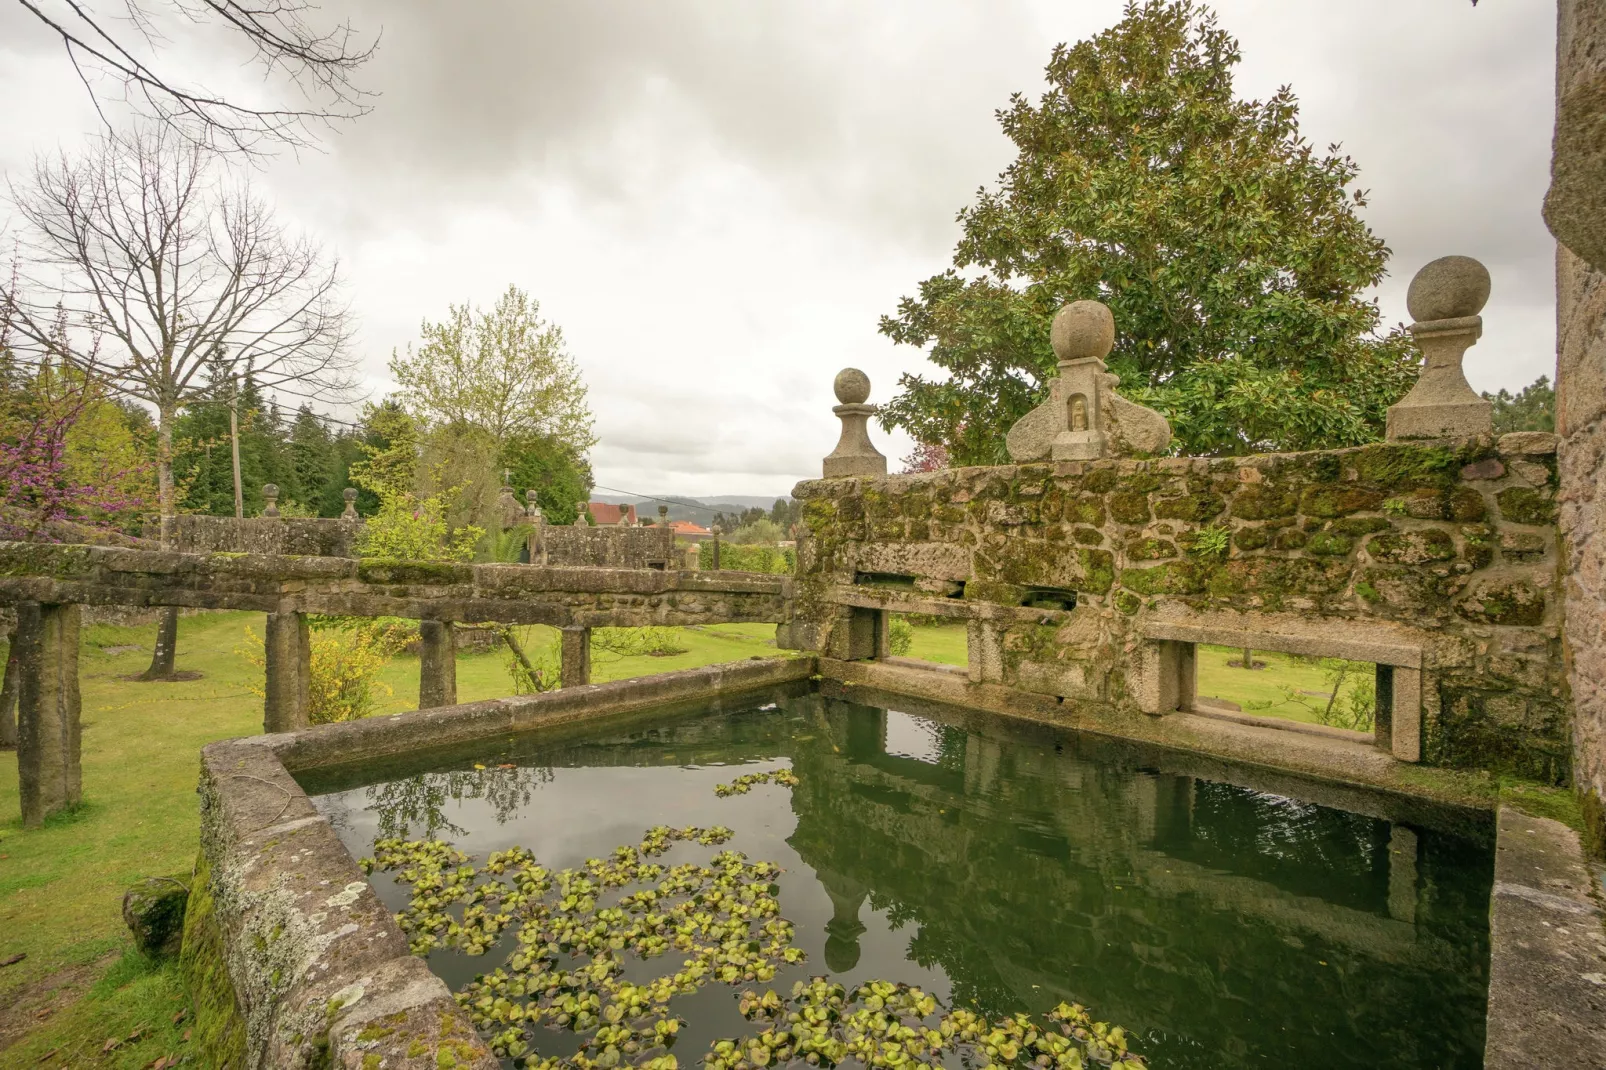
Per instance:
(234,445)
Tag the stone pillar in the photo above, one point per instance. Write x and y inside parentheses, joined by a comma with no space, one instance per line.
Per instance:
(854,455)
(287,702)
(49,774)
(8,695)
(984,652)
(1405,715)
(437,664)
(576,667)
(1165,676)
(693,555)
(716,533)
(270,499)
(1445,298)
(862,638)
(350,512)
(883,634)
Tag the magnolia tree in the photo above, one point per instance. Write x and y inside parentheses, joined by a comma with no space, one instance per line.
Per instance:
(1230,252)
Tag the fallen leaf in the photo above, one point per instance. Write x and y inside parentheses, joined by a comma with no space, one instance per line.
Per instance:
(179,1017)
(14,959)
(507,765)
(135,1035)
(51,1054)
(186,1036)
(111,1042)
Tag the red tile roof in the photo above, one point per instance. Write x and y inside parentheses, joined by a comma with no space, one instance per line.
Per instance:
(606,513)
(686,527)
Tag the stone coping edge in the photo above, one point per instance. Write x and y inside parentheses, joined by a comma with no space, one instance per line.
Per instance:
(1547,950)
(322,975)
(1308,755)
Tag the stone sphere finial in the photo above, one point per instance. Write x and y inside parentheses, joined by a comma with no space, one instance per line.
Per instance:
(1451,287)
(349,494)
(852,386)
(1083,329)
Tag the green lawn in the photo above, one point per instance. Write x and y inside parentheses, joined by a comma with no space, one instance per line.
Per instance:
(1216,679)
(61,886)
(942,643)
(945,644)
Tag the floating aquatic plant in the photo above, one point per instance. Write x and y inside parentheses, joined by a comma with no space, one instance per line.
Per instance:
(723,919)
(744,784)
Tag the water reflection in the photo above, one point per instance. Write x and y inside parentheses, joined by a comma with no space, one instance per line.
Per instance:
(1226,924)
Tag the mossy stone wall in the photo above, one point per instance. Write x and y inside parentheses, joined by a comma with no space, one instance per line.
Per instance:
(1455,542)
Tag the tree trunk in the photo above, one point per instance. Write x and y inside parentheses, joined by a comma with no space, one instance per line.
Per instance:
(162,657)
(1249,658)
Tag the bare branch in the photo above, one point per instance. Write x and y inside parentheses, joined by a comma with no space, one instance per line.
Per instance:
(142,266)
(315,65)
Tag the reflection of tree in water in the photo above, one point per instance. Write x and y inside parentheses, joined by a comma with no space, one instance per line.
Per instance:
(420,801)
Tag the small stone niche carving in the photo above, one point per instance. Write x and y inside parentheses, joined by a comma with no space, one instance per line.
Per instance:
(1084,418)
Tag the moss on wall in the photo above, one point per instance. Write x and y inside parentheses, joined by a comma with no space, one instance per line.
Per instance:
(1435,538)
(219,1027)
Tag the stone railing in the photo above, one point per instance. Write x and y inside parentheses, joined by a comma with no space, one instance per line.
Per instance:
(48,583)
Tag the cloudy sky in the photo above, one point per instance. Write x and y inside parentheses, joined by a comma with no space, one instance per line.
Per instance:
(717,200)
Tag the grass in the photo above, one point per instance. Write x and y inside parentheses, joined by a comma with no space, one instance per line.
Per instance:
(946,644)
(942,643)
(1216,679)
(61,886)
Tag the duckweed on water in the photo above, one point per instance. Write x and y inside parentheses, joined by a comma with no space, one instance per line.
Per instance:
(744,784)
(724,918)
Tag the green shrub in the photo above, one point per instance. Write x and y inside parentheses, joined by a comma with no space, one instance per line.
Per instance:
(901,637)
(773,560)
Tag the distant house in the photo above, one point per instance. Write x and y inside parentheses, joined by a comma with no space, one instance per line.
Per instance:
(606,513)
(685,529)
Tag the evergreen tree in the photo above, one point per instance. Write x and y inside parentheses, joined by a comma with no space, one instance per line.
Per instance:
(1228,250)
(1533,408)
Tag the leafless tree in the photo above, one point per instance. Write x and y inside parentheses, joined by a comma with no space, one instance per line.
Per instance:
(120,43)
(174,278)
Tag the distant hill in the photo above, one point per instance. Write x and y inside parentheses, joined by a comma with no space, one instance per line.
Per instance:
(697,510)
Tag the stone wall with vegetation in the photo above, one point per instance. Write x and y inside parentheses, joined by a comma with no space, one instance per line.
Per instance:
(1452,547)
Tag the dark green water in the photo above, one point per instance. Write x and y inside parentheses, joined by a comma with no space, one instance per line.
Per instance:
(1224,922)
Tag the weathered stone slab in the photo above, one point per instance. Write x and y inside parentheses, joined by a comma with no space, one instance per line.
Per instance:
(1547,962)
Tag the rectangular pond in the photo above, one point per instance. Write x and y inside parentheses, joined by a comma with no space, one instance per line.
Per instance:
(1002,869)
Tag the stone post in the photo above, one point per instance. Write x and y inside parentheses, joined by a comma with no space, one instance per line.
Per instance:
(270,499)
(693,555)
(437,664)
(49,774)
(575,670)
(715,530)
(854,455)
(350,512)
(287,699)
(1445,298)
(8,694)
(537,522)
